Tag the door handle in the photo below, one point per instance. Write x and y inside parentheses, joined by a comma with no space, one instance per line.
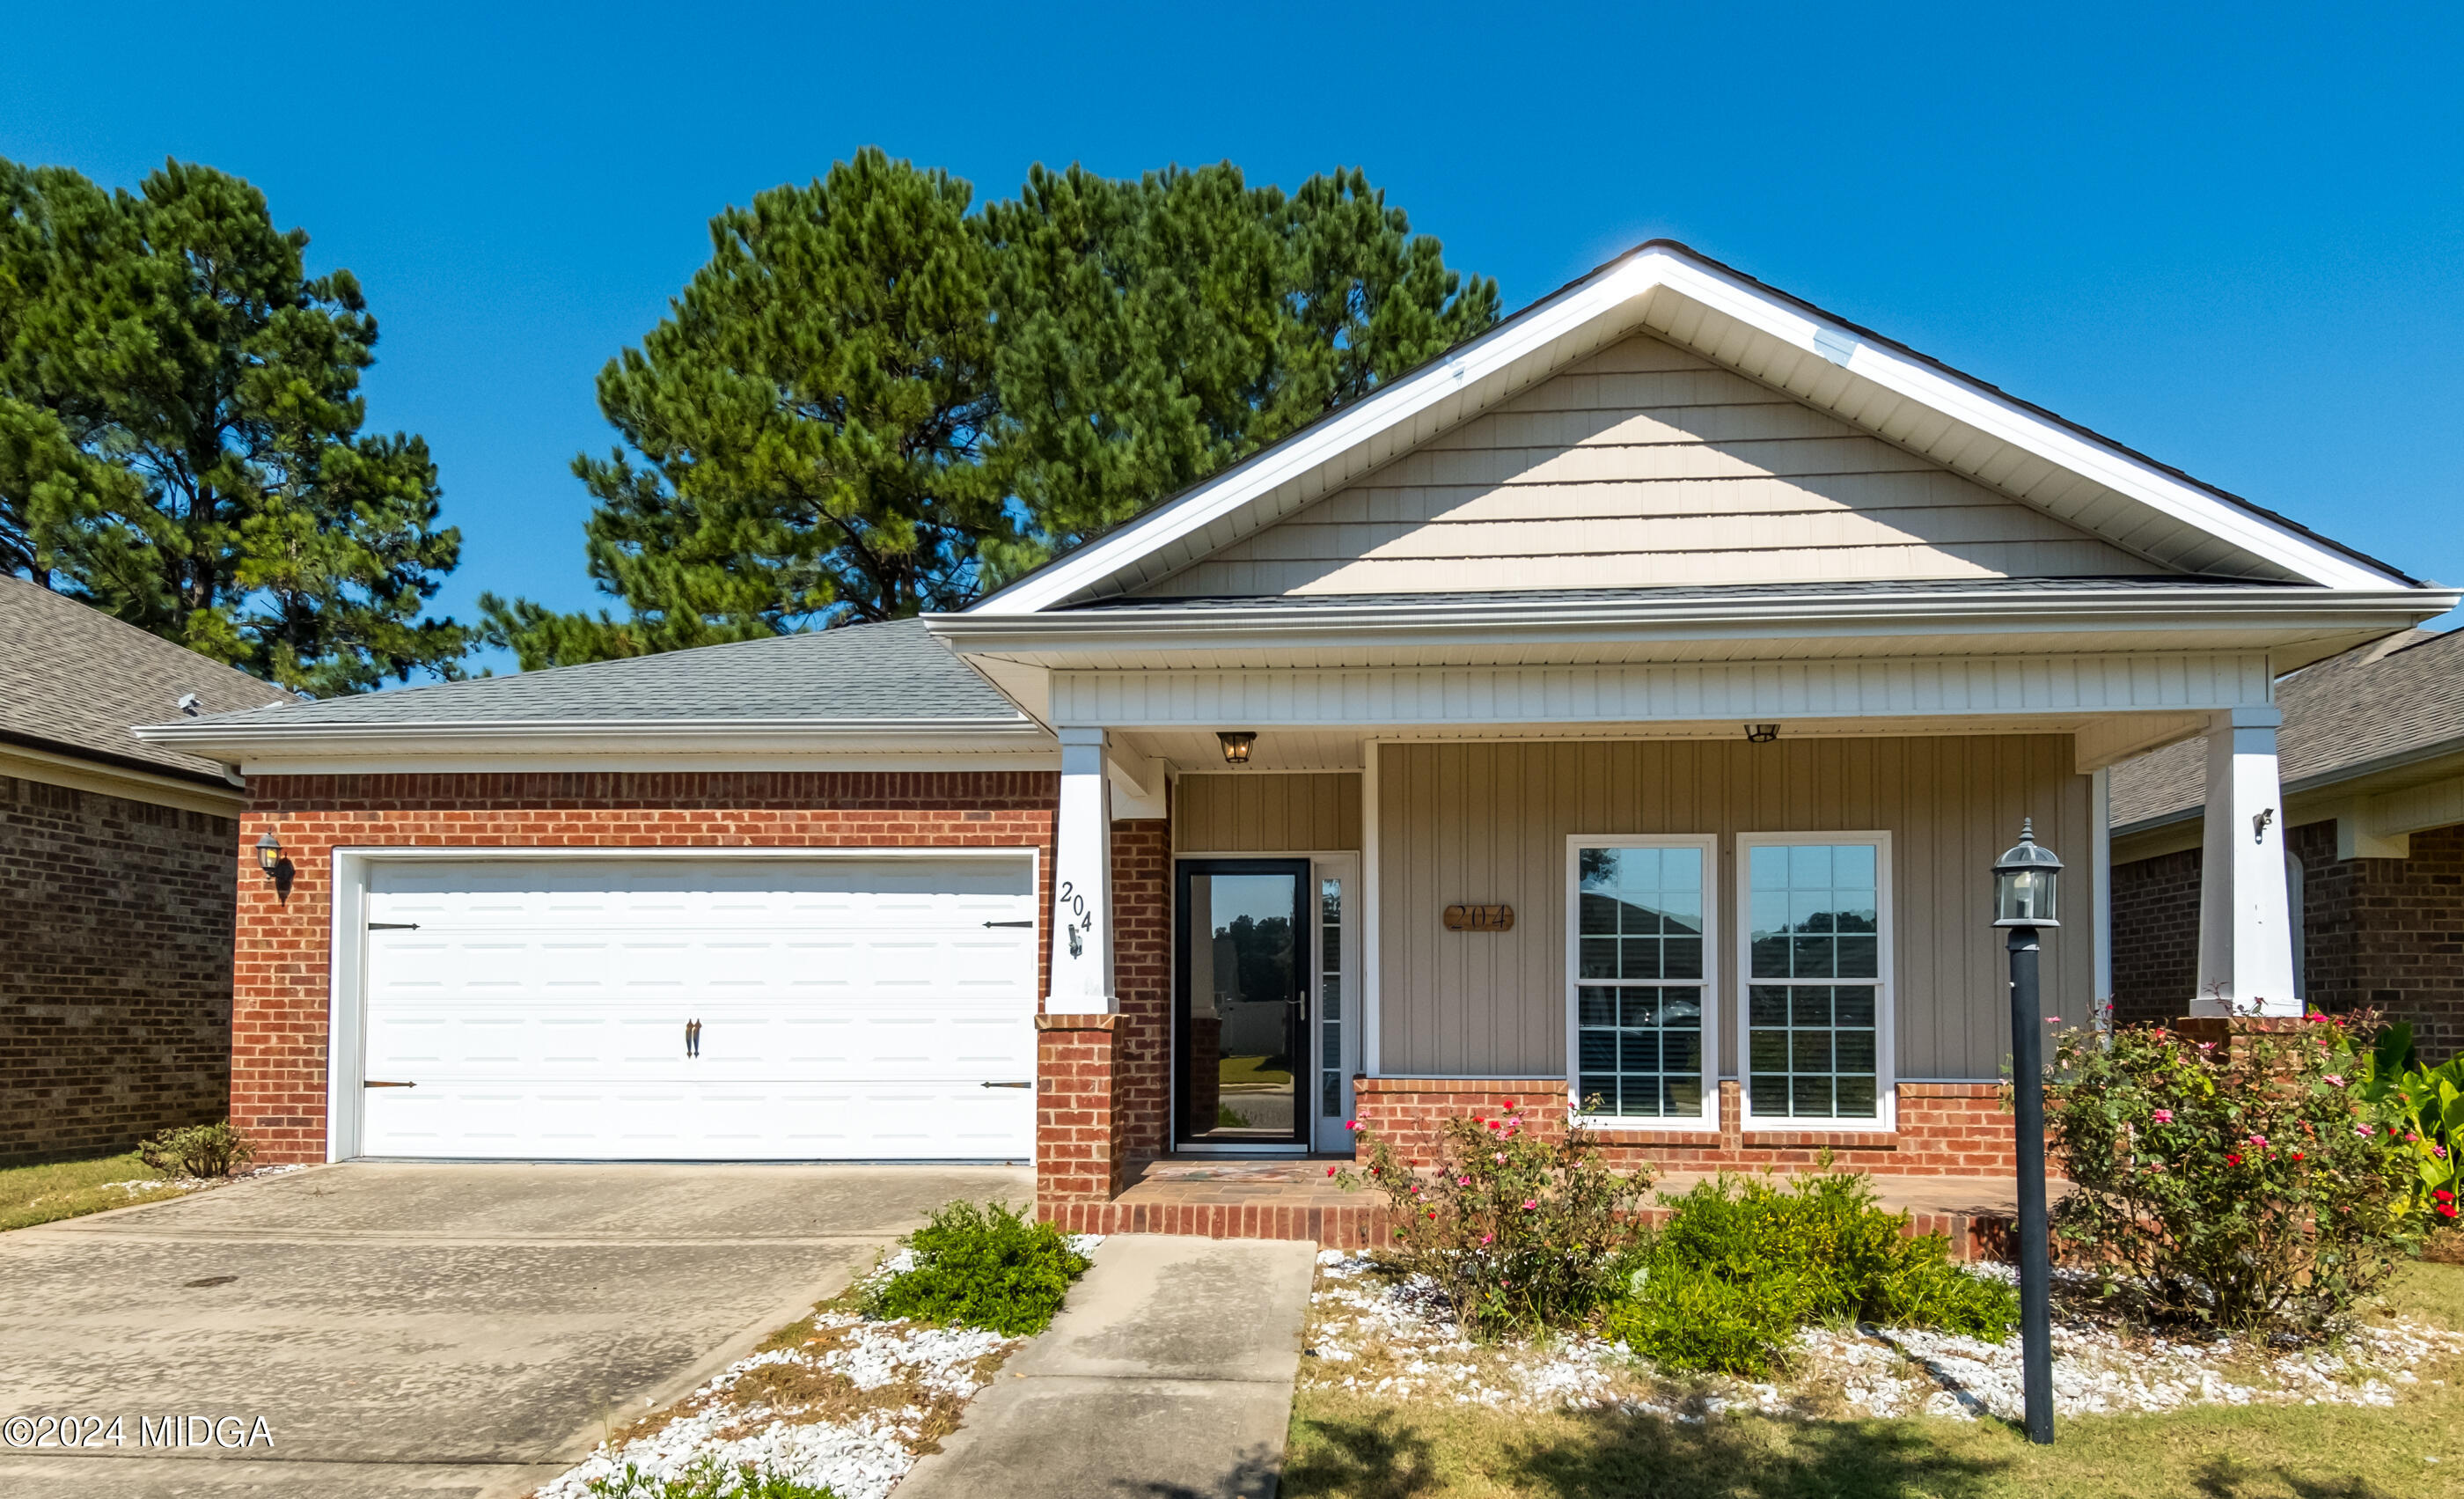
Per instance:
(1010,923)
(692,1038)
(389,1084)
(1009,1085)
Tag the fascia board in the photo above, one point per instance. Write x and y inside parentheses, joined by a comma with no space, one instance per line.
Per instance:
(2006,420)
(2139,609)
(1491,354)
(736,735)
(1625,287)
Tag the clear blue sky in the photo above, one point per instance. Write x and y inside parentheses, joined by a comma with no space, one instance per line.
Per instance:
(2233,239)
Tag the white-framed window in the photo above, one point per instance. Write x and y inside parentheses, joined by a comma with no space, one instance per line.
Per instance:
(1642,955)
(1813,976)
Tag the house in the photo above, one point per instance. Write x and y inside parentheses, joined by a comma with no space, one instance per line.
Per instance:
(2372,761)
(1625,707)
(116,882)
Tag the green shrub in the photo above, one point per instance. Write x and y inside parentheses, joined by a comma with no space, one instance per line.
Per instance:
(2425,1106)
(1742,1263)
(200,1149)
(982,1267)
(2244,1185)
(1520,1230)
(706,1479)
(1692,1317)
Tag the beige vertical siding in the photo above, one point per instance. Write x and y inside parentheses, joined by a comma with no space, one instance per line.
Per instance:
(1240,812)
(1644,465)
(1488,823)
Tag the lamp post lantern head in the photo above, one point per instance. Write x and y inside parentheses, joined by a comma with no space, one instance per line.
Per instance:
(2023,882)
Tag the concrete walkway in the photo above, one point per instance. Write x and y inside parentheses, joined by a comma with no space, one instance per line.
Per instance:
(432,1330)
(1168,1374)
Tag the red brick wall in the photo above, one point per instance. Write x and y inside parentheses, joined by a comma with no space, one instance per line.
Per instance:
(115,970)
(2377,933)
(279,1004)
(2155,938)
(1943,1128)
(1142,981)
(1078,1118)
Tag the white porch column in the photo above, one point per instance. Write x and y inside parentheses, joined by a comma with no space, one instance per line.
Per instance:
(2245,931)
(1081,880)
(2101,873)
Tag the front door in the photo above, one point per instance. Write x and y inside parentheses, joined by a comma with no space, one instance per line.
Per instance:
(1240,1002)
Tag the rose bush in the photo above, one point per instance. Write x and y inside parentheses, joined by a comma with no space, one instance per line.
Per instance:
(2241,1185)
(1520,1230)
(2425,1107)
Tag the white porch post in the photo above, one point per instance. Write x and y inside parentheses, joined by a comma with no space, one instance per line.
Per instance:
(2101,874)
(2245,931)
(1081,880)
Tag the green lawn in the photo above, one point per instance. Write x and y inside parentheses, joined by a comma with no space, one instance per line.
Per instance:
(31,1195)
(1363,1448)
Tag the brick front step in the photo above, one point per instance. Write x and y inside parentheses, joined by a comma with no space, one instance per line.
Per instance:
(1294,1200)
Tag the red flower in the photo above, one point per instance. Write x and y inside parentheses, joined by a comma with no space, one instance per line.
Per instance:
(2296,1154)
(1330,1171)
(2443,1195)
(1507,1105)
(2446,1209)
(2233,1159)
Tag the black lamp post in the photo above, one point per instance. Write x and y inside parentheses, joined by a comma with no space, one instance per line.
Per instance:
(2023,900)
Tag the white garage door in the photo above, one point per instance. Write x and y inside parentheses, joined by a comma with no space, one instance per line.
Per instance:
(735,1009)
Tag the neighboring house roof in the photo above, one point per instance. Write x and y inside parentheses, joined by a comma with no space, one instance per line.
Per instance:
(859,676)
(1671,293)
(2398,699)
(74,680)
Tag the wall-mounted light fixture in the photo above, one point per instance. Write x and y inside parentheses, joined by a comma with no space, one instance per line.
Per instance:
(1761,732)
(269,855)
(1236,745)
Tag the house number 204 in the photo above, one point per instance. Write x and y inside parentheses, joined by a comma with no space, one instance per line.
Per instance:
(1076,920)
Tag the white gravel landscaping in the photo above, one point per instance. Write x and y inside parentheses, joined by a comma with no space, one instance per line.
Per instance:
(849,1408)
(1375,1335)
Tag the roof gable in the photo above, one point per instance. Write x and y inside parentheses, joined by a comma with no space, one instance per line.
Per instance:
(1649,466)
(2023,454)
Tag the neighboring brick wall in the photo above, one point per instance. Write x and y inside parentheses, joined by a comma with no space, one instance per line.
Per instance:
(1142,981)
(1078,1117)
(115,969)
(2155,938)
(2377,933)
(1943,1128)
(278,1047)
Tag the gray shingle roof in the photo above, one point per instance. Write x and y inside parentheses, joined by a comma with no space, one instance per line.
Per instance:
(856,673)
(74,680)
(2398,696)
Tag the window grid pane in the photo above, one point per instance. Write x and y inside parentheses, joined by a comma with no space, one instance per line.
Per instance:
(1811,1042)
(1638,997)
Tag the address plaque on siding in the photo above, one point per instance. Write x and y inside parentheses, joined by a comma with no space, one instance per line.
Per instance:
(1480,918)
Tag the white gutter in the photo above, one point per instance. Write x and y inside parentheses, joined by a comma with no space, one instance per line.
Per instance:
(1301,621)
(265,739)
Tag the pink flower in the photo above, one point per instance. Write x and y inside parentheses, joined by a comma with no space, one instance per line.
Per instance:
(1487,1237)
(1499,1157)
(2336,1078)
(2410,1138)
(1530,1203)
(1462,1181)
(1351,1124)
(2362,1130)
(2053,1020)
(2259,1140)
(2163,1116)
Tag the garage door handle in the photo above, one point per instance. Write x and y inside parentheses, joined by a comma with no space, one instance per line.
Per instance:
(1010,923)
(393,926)
(389,1084)
(1009,1085)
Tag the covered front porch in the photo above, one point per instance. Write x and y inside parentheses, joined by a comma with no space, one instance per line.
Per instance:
(1745,943)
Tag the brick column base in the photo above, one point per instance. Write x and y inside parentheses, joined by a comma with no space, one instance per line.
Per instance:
(1078,1125)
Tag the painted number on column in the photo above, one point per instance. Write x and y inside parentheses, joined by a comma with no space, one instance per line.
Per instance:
(1074,916)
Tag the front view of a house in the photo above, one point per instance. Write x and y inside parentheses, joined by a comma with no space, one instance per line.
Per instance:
(1625,708)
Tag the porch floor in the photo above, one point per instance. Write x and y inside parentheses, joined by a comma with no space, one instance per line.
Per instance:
(1295,1197)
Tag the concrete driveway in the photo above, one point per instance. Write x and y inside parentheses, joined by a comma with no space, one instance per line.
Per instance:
(431,1330)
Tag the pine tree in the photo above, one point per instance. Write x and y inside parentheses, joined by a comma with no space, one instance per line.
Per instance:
(180,438)
(871,403)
